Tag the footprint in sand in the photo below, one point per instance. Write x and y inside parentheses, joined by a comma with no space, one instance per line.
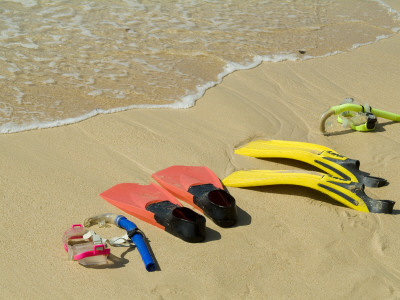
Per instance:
(379,243)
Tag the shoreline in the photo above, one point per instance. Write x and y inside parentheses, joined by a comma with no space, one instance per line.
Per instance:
(289,242)
(89,108)
(184,102)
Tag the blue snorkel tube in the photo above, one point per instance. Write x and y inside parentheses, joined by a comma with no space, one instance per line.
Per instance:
(133,232)
(136,237)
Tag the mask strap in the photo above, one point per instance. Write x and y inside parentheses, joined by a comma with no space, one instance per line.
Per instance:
(120,241)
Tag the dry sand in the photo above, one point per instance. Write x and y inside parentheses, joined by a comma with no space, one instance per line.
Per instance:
(288,243)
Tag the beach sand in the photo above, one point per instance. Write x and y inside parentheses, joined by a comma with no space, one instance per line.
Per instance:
(290,242)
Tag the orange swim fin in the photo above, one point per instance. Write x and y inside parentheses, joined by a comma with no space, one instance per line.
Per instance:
(201,188)
(156,206)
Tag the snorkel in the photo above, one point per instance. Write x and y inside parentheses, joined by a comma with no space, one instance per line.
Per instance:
(132,231)
(350,114)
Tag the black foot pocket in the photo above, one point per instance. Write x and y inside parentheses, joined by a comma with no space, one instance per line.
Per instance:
(217,204)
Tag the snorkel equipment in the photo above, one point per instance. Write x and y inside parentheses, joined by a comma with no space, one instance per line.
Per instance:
(360,121)
(356,116)
(85,246)
(132,231)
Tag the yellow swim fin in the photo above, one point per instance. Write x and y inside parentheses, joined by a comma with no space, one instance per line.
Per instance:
(319,156)
(346,192)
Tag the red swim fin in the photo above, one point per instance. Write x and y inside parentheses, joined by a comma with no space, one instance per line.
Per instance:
(156,206)
(201,188)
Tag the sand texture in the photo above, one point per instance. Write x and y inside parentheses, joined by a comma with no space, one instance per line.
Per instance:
(289,242)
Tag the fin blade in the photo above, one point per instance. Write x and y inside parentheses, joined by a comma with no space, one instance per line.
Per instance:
(338,189)
(280,148)
(178,180)
(133,198)
(138,195)
(254,178)
(319,156)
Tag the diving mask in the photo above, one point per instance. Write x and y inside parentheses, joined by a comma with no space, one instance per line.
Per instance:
(85,246)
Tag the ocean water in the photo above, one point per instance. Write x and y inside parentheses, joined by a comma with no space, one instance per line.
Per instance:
(62,61)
